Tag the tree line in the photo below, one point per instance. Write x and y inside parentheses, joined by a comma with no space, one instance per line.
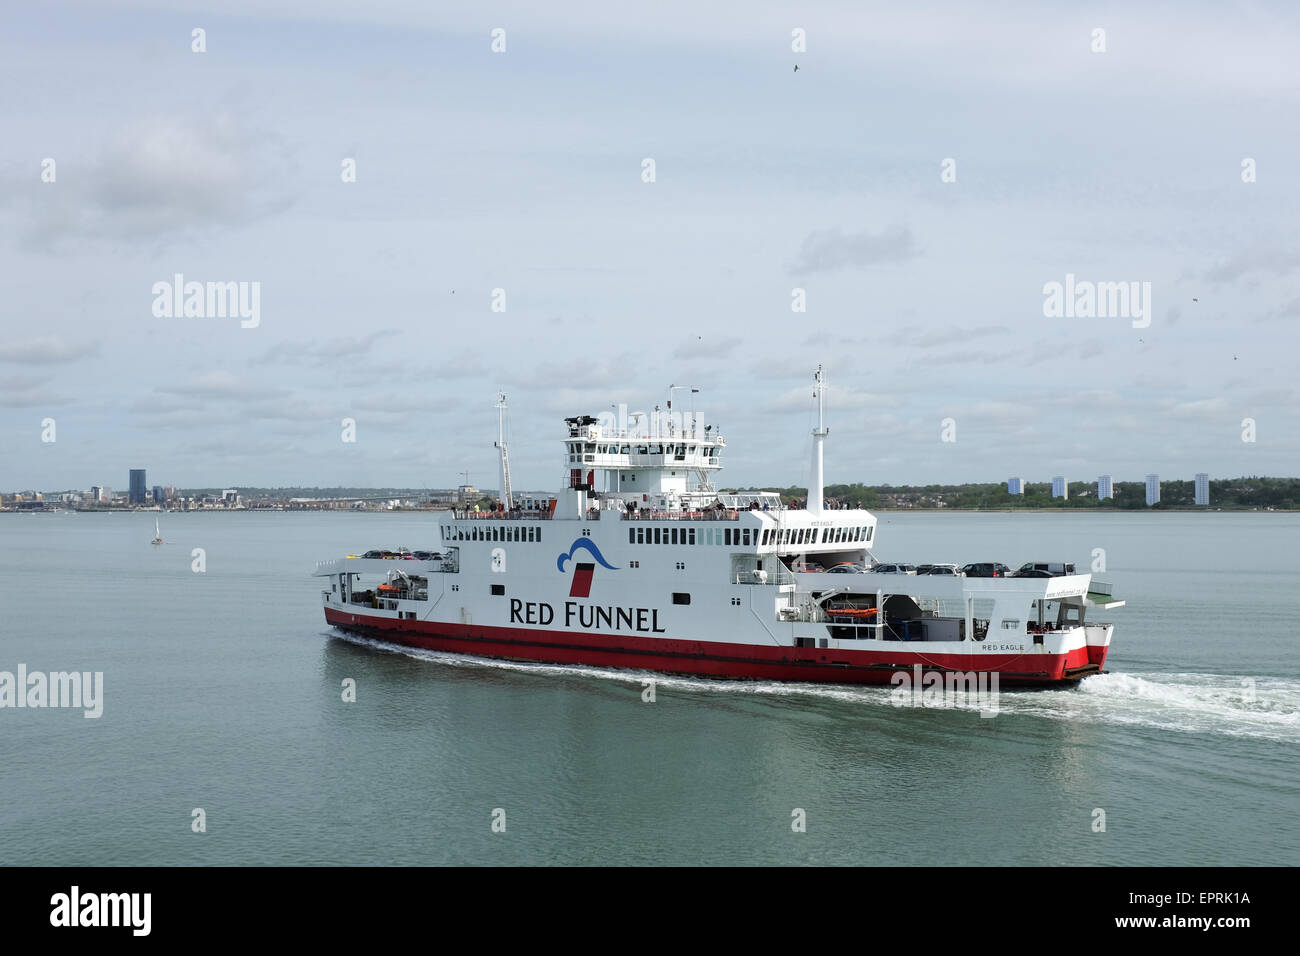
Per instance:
(1243,493)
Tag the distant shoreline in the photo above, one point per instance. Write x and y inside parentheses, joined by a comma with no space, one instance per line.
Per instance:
(1180,509)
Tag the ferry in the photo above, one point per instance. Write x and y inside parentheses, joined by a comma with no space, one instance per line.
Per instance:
(638,562)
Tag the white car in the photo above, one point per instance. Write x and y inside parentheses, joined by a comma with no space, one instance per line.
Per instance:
(894,569)
(951,570)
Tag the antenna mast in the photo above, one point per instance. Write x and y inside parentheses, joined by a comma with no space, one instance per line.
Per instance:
(506,497)
(816,491)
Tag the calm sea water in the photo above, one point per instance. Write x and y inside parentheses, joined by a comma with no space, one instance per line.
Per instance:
(222,691)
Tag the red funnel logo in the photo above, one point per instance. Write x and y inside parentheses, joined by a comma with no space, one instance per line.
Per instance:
(582,572)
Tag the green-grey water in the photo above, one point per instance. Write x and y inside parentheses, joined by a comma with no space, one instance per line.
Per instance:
(222,691)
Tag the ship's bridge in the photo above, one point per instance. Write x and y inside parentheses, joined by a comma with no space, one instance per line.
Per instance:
(666,456)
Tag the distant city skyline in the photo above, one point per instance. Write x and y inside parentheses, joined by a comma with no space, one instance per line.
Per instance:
(419,222)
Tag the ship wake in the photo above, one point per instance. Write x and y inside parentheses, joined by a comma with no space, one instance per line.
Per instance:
(1262,708)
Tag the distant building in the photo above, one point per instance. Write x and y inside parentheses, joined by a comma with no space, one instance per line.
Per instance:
(1060,487)
(137,490)
(106,495)
(1153,490)
(96,493)
(467,492)
(1202,489)
(230,496)
(1015,486)
(1104,489)
(158,496)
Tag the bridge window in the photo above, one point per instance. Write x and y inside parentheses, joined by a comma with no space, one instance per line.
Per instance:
(868,537)
(673,534)
(681,598)
(691,533)
(631,535)
(498,590)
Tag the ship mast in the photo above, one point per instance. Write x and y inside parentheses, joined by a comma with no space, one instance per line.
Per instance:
(506,498)
(816,491)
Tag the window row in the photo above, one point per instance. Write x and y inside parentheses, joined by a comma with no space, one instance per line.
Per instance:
(726,537)
(782,536)
(492,533)
(579,448)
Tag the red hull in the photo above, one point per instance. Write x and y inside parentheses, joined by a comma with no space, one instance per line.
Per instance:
(711,658)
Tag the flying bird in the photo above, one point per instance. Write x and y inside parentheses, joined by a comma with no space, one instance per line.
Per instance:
(1194,299)
(796,67)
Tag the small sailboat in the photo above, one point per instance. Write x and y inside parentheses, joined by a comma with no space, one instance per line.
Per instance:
(157,533)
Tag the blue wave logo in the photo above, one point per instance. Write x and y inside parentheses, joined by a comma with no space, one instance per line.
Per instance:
(583,544)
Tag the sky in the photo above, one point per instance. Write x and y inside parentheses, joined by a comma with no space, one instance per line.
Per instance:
(923,176)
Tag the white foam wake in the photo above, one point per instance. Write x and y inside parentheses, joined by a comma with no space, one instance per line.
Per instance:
(1221,704)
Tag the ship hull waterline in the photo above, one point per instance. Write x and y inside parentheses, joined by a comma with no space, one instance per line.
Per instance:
(716,660)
